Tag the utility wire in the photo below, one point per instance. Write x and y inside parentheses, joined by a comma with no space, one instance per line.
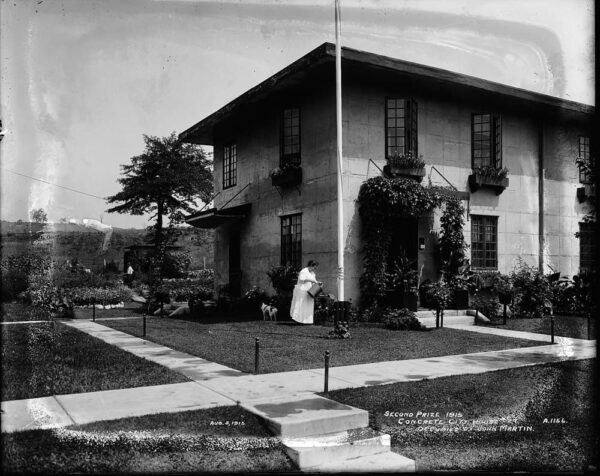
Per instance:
(56,185)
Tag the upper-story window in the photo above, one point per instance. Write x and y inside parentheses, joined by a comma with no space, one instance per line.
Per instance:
(585,173)
(229,166)
(401,135)
(290,136)
(486,140)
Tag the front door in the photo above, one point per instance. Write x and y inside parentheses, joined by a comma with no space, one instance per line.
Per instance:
(235,272)
(404,241)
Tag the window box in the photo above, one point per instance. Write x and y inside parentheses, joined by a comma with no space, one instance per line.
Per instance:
(286,177)
(405,165)
(395,171)
(496,182)
(585,192)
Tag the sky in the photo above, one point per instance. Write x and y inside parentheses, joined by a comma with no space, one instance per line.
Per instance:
(82,80)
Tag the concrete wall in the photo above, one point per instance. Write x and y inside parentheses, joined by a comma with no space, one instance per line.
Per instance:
(444,135)
(444,141)
(256,134)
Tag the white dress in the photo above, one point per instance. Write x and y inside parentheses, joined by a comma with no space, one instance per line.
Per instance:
(303,305)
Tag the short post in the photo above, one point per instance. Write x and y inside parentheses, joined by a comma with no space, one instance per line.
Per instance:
(552,326)
(504,315)
(144,320)
(589,325)
(326,383)
(257,356)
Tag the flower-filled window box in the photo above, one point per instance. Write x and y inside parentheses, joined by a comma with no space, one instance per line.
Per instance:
(585,192)
(489,177)
(405,165)
(286,176)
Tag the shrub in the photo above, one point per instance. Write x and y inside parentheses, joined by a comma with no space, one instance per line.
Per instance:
(65,278)
(401,320)
(324,308)
(438,295)
(206,277)
(176,263)
(182,289)
(85,296)
(283,278)
(489,307)
(16,270)
(532,291)
(255,296)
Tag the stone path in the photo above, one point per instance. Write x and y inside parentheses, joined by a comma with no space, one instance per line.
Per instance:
(320,435)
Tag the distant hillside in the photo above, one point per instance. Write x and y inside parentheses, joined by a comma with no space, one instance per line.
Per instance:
(93,248)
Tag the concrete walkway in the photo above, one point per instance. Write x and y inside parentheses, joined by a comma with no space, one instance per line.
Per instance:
(217,385)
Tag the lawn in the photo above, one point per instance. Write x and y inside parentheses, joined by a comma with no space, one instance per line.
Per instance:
(285,346)
(17,311)
(490,405)
(50,358)
(566,326)
(224,439)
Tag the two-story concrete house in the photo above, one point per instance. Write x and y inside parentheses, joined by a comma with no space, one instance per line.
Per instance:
(455,122)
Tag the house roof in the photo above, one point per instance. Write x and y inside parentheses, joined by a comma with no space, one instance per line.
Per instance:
(293,74)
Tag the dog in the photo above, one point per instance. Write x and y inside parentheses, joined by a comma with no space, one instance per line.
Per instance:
(269,312)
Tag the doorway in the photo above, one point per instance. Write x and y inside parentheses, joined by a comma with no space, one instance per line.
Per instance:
(235,272)
(405,241)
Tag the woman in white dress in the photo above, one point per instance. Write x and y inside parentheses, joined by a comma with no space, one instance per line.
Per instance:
(303,304)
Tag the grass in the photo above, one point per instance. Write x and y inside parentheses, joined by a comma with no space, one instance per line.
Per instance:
(51,359)
(179,442)
(17,311)
(523,397)
(285,346)
(565,326)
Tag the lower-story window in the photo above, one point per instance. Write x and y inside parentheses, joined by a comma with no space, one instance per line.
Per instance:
(291,240)
(484,242)
(587,246)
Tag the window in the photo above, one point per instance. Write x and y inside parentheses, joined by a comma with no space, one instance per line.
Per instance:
(587,247)
(229,166)
(291,240)
(484,242)
(290,136)
(401,127)
(585,176)
(486,140)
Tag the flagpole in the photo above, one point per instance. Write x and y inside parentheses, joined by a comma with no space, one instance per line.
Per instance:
(338,107)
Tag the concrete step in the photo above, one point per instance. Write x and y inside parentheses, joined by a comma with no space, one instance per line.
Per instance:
(378,463)
(311,451)
(449,320)
(308,415)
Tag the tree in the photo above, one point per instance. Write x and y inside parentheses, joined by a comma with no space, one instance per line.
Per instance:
(165,181)
(38,215)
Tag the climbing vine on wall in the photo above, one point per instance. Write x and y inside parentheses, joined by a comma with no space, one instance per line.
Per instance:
(382,201)
(452,244)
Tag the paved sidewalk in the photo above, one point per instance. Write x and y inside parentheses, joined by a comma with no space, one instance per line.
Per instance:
(217,385)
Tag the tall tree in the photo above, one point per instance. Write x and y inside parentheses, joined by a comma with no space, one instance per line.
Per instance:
(38,215)
(166,180)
